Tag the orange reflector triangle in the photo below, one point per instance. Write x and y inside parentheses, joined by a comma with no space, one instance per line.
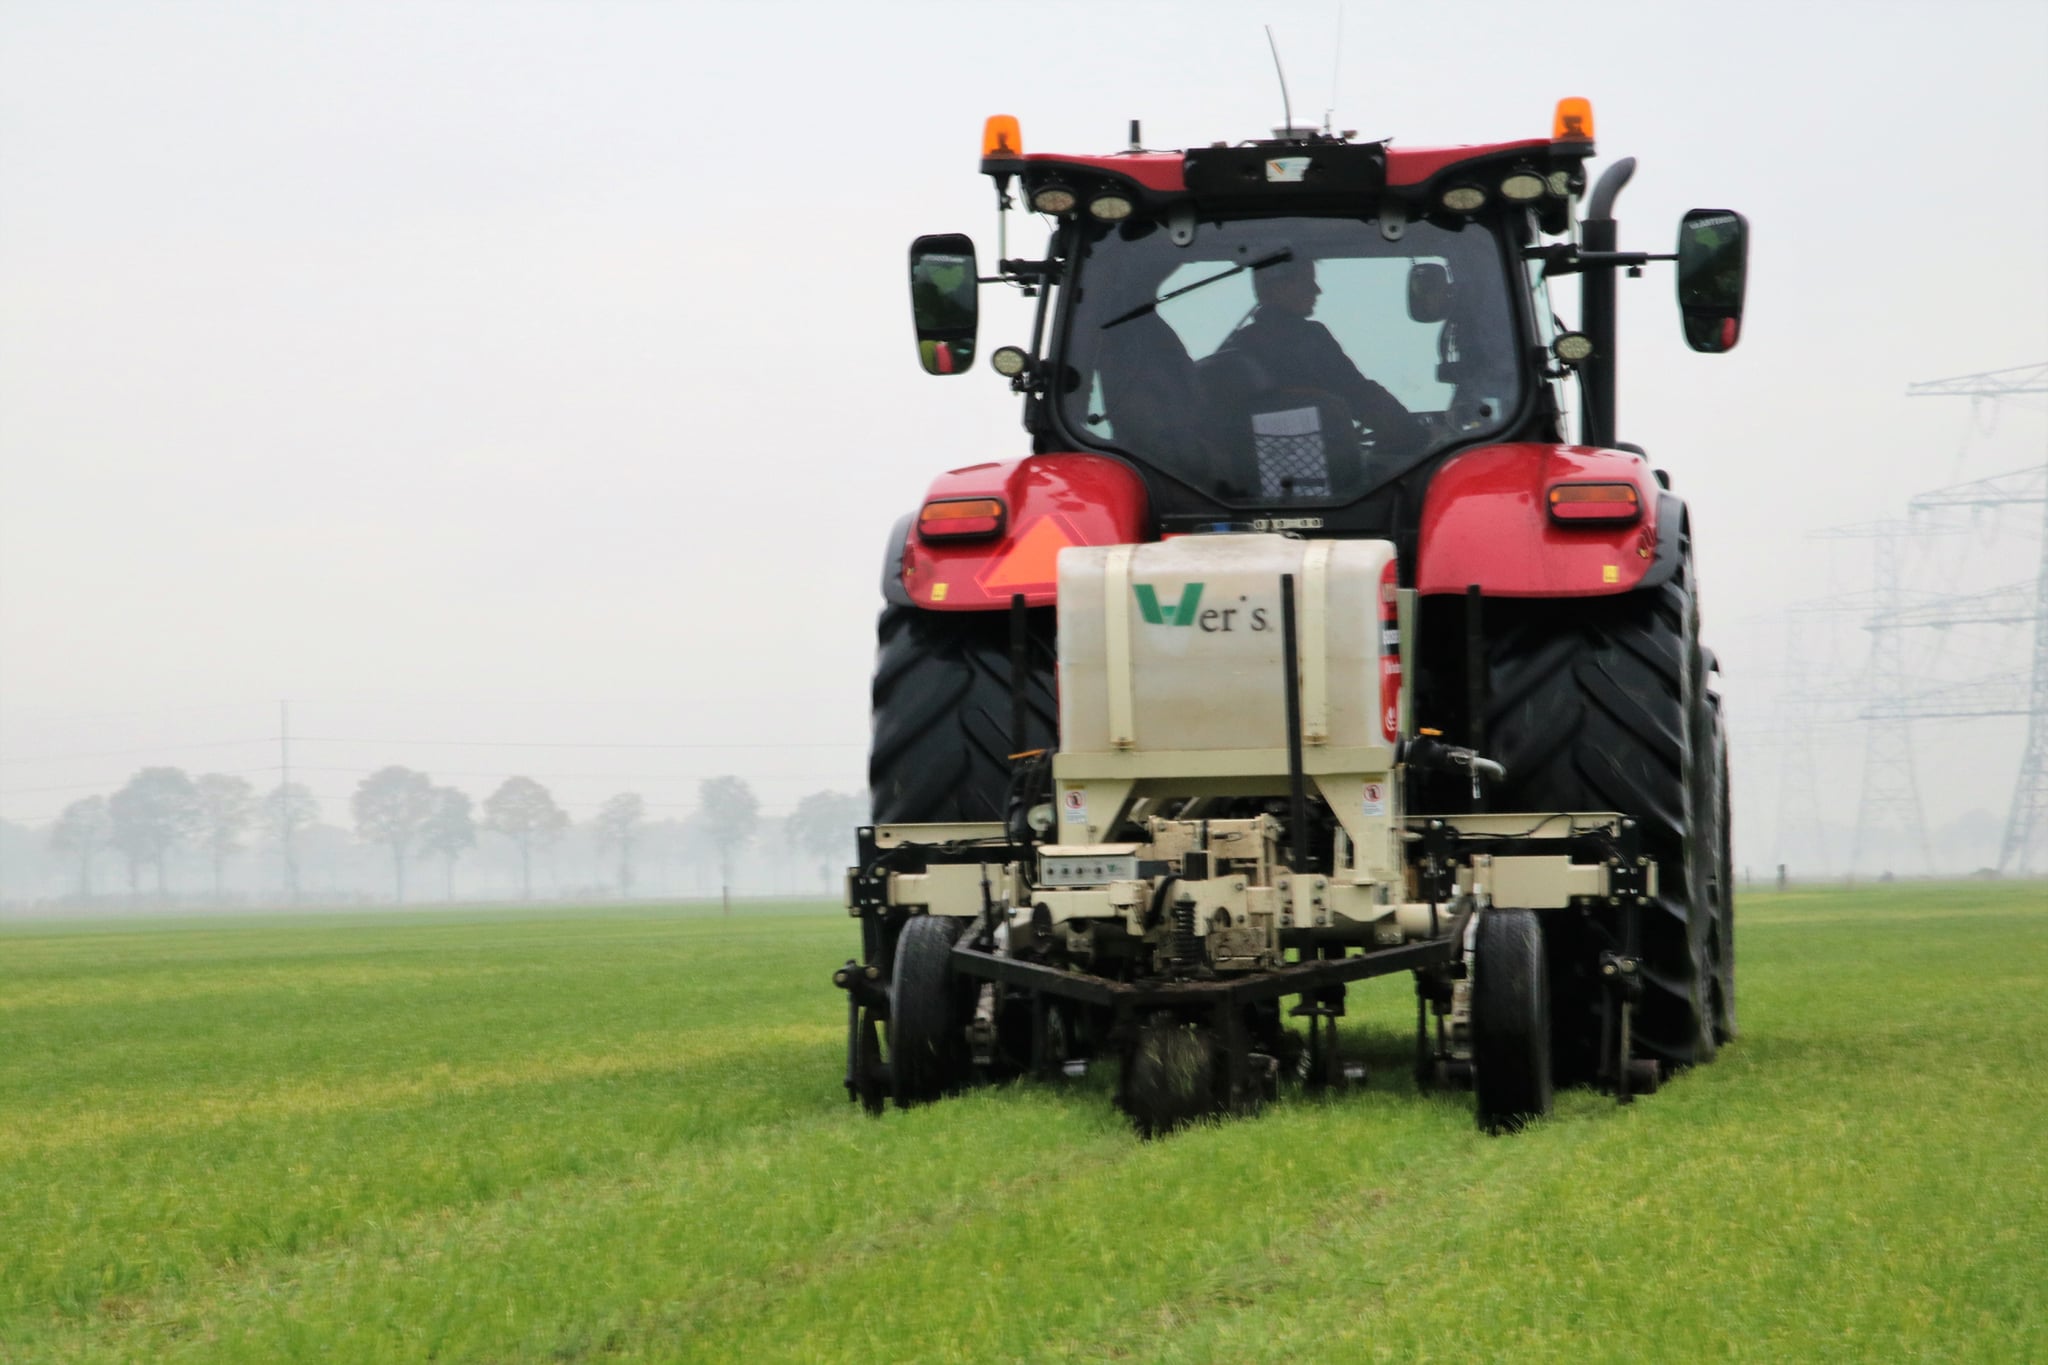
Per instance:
(1033,561)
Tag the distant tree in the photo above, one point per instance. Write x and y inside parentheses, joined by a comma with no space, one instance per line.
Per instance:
(730,812)
(334,862)
(697,850)
(226,807)
(450,830)
(667,852)
(617,825)
(153,814)
(822,827)
(287,810)
(523,811)
(392,807)
(21,860)
(85,828)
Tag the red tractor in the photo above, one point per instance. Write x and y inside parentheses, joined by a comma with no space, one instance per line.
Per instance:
(1314,339)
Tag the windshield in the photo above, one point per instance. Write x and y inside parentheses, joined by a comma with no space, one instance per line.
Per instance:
(1289,360)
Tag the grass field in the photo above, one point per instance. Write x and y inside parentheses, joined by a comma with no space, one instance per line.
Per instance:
(618,1134)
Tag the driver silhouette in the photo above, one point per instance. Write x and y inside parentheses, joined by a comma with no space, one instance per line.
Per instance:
(1290,350)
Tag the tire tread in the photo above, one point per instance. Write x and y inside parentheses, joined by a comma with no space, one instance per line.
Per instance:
(941,743)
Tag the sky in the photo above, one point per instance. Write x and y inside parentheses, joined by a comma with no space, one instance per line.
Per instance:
(528,387)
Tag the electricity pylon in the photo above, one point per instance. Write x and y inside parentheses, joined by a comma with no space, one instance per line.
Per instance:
(2026,825)
(1890,799)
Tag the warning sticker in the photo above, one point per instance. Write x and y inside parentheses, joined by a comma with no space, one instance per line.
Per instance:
(1076,802)
(1376,798)
(1034,560)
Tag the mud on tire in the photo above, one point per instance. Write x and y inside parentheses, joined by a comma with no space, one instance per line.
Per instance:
(1598,704)
(941,742)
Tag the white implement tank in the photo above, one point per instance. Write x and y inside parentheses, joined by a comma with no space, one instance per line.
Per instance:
(1172,680)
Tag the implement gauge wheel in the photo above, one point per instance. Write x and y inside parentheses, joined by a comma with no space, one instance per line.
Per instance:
(1600,704)
(942,740)
(1510,1020)
(927,1013)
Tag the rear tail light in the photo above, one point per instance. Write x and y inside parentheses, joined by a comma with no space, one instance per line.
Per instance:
(961,519)
(1611,502)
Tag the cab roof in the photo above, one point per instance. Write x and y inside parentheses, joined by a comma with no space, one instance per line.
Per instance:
(1316,174)
(1163,172)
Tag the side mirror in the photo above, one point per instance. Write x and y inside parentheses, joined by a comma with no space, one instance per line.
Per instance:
(1429,292)
(944,301)
(1713,267)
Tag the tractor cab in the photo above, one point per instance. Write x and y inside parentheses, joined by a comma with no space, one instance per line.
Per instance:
(1281,365)
(1295,330)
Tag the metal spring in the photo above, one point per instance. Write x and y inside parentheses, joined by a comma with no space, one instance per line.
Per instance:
(1185,943)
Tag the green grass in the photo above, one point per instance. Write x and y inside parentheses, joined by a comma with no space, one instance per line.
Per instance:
(618,1134)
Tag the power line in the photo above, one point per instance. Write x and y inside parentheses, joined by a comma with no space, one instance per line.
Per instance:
(130,753)
(551,777)
(102,786)
(576,744)
(767,812)
(343,798)
(595,777)
(424,743)
(44,714)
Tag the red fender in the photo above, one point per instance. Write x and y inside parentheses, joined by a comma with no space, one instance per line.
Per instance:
(1486,520)
(1051,502)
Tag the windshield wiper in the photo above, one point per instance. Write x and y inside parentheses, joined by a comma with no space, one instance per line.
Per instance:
(1285,253)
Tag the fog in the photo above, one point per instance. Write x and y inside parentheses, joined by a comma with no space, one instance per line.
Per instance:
(527,388)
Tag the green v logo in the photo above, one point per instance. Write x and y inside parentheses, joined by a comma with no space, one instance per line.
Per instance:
(1181,613)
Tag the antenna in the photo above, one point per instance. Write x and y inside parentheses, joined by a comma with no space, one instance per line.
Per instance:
(1286,105)
(1336,68)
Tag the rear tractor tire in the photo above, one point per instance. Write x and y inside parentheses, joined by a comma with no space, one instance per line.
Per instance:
(1598,704)
(1510,1020)
(942,740)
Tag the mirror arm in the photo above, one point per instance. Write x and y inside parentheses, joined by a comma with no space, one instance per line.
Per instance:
(1048,269)
(1028,276)
(1563,258)
(1630,258)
